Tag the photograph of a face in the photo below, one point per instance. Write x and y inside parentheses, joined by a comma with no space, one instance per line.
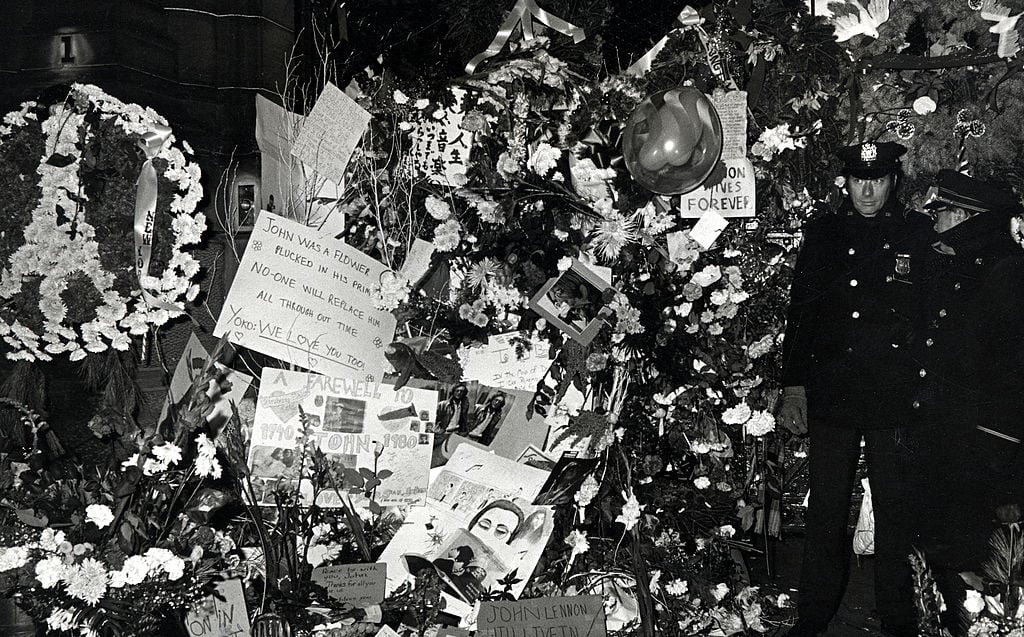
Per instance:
(576,302)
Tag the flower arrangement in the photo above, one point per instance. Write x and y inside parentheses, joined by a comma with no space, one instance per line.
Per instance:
(70,282)
(121,548)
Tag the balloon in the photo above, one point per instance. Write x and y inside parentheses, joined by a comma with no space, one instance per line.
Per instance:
(673,141)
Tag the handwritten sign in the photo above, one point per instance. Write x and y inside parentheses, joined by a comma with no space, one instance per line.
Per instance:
(192,361)
(308,300)
(734,196)
(732,110)
(330,133)
(441,146)
(361,585)
(579,616)
(226,617)
(357,424)
(498,364)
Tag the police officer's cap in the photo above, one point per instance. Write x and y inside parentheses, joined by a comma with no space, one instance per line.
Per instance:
(956,190)
(871,160)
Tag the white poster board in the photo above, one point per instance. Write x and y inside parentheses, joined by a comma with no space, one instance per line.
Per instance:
(734,196)
(352,422)
(307,299)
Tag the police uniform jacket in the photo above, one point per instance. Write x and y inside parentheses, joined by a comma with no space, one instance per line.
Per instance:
(969,352)
(851,315)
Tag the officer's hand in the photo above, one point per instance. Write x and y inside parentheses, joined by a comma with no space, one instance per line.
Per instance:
(793,412)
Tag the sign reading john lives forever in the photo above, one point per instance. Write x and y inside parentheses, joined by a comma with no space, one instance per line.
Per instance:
(307,299)
(734,196)
(576,616)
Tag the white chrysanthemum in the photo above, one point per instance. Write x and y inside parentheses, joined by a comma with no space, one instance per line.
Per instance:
(13,557)
(702,482)
(87,581)
(677,587)
(760,423)
(924,105)
(168,453)
(99,514)
(709,275)
(51,539)
(437,208)
(447,236)
(720,591)
(50,571)
(737,415)
(544,159)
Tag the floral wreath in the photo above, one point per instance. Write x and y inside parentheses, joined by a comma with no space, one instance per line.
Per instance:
(73,279)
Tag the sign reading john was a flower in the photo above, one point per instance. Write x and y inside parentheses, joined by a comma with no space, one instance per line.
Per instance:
(308,299)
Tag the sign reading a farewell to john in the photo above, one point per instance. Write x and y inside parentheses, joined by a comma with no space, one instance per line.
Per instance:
(307,299)
(734,196)
(578,616)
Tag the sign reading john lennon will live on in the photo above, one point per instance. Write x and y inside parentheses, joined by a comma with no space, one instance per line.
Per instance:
(307,299)
(573,616)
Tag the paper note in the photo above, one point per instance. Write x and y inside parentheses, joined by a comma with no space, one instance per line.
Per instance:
(361,585)
(387,631)
(497,363)
(280,174)
(707,228)
(734,196)
(732,110)
(352,422)
(440,146)
(192,360)
(577,616)
(308,300)
(417,261)
(225,617)
(330,133)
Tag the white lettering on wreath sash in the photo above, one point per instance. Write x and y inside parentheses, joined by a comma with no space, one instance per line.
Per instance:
(308,300)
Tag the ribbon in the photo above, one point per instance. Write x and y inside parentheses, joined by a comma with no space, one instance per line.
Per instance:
(605,141)
(687,18)
(145,208)
(522,14)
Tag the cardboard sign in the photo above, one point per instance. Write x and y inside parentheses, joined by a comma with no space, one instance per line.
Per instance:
(352,422)
(192,360)
(330,133)
(361,585)
(308,300)
(707,229)
(497,364)
(579,616)
(440,146)
(732,111)
(225,617)
(734,196)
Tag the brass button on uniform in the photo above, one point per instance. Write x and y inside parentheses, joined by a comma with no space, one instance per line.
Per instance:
(851,252)
(853,283)
(929,342)
(855,314)
(922,373)
(917,404)
(956,286)
(942,313)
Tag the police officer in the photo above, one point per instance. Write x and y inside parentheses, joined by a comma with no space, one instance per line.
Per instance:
(845,378)
(969,390)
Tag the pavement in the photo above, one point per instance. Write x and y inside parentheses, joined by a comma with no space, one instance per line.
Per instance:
(856,617)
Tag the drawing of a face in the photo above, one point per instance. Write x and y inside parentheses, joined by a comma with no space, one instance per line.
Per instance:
(497,523)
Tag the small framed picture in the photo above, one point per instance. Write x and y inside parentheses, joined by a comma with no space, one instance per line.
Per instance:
(575,302)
